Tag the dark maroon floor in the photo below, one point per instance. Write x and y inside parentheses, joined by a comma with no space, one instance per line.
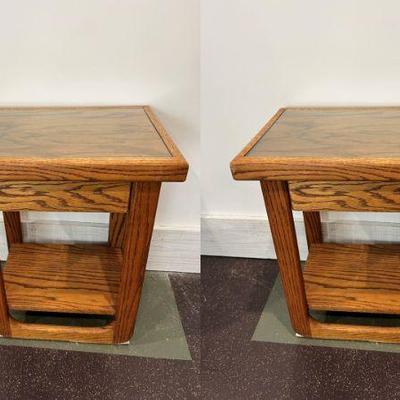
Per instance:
(233,367)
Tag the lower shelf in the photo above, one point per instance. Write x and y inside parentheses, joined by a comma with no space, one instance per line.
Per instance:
(81,279)
(354,278)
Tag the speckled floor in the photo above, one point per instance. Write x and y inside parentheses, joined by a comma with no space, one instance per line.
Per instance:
(39,373)
(233,366)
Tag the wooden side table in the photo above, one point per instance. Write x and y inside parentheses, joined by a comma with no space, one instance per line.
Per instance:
(109,159)
(340,159)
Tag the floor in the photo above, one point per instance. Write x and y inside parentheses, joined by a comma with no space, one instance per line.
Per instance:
(245,353)
(56,374)
(234,366)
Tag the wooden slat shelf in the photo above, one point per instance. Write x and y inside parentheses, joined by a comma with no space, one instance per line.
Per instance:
(63,278)
(353,278)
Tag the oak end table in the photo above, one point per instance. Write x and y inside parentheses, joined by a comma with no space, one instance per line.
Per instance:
(330,159)
(81,159)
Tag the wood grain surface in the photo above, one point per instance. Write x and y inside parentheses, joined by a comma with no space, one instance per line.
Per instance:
(124,143)
(345,196)
(330,132)
(313,227)
(135,250)
(353,277)
(366,333)
(64,196)
(63,278)
(64,333)
(353,143)
(116,229)
(79,132)
(12,224)
(277,202)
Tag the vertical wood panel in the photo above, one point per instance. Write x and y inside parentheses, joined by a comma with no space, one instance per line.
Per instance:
(12,224)
(4,316)
(116,229)
(312,225)
(277,202)
(135,249)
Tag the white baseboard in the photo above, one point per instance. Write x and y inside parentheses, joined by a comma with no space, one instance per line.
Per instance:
(251,237)
(172,249)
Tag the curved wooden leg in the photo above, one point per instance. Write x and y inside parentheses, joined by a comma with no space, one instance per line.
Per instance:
(277,202)
(313,227)
(139,228)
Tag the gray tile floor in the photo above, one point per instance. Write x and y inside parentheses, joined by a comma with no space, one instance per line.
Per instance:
(158,333)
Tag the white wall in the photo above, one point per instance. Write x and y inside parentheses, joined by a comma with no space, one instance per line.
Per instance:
(111,52)
(260,55)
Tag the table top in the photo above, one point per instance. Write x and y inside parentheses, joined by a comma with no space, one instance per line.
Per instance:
(324,144)
(87,143)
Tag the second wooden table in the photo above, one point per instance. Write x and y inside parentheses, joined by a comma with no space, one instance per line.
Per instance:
(340,159)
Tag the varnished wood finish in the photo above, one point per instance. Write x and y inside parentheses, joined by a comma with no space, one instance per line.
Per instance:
(139,228)
(169,143)
(64,196)
(79,132)
(332,132)
(380,334)
(4,315)
(71,159)
(116,230)
(324,144)
(260,134)
(12,224)
(63,278)
(313,227)
(101,335)
(341,159)
(345,196)
(353,277)
(125,143)
(277,202)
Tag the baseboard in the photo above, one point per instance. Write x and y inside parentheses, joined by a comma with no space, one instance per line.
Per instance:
(177,249)
(251,237)
(172,249)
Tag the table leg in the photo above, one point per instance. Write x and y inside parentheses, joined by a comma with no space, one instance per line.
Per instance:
(116,229)
(277,202)
(312,224)
(135,248)
(12,223)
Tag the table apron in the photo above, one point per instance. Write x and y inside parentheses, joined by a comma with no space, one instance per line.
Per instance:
(65,196)
(345,196)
